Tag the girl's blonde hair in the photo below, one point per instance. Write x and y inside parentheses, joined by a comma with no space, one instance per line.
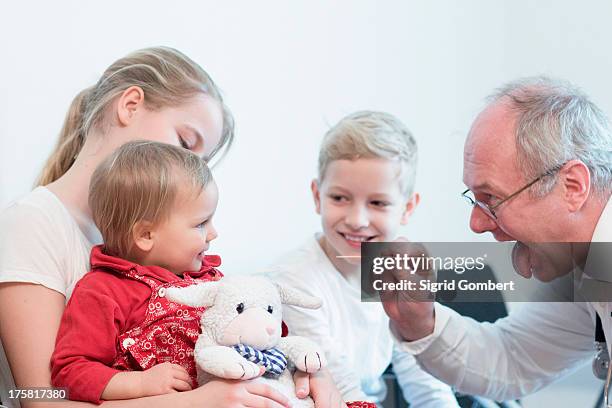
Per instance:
(167,77)
(140,182)
(370,134)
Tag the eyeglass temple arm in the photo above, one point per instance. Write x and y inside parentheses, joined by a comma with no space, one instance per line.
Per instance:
(548,173)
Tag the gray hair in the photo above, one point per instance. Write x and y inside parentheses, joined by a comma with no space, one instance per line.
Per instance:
(556,122)
(369,134)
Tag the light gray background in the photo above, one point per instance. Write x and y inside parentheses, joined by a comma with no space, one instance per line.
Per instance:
(288,70)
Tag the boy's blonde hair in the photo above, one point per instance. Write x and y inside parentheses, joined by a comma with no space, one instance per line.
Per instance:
(167,77)
(140,182)
(369,134)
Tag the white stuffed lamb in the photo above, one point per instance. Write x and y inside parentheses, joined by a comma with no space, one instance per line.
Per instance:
(242,322)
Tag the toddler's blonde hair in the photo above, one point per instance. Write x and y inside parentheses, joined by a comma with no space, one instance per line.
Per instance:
(370,134)
(140,181)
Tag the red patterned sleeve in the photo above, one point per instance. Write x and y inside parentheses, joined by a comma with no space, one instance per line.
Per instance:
(85,345)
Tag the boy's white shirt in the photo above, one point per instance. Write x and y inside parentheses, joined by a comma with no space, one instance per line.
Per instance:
(354,335)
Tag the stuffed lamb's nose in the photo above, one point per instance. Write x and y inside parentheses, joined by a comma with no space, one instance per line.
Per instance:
(270,330)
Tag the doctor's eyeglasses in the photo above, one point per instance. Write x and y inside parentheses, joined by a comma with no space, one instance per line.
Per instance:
(490,209)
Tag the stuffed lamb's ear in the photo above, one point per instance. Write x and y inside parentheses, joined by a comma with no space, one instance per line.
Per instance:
(291,296)
(198,295)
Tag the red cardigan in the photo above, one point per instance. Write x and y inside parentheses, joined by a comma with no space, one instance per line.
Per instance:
(103,305)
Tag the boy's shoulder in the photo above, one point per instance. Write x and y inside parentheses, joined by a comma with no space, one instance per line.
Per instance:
(306,263)
(304,254)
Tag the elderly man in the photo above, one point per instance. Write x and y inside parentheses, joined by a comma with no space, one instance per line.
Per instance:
(538,165)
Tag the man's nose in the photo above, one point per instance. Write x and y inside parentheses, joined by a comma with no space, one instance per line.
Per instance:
(481,222)
(357,217)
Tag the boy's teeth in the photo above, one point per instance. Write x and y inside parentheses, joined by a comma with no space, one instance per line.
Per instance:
(354,238)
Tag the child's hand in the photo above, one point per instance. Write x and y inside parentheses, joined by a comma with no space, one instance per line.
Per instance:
(164,378)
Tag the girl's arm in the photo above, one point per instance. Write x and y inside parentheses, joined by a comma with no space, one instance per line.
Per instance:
(215,394)
(29,318)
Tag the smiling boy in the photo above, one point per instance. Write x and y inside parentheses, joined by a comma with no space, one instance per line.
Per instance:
(363,193)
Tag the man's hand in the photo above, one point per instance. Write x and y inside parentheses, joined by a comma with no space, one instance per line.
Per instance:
(411,311)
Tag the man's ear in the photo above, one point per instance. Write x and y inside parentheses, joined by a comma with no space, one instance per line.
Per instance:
(316,195)
(128,104)
(576,182)
(409,208)
(142,234)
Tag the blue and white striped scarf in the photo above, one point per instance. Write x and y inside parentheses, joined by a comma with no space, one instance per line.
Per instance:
(273,360)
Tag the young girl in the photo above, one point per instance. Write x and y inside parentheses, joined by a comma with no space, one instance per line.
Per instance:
(47,235)
(153,204)
(364,192)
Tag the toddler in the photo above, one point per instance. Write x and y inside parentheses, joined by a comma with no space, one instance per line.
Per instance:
(119,337)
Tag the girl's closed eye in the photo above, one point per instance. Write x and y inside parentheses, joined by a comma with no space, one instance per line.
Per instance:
(183,143)
(187,140)
(191,139)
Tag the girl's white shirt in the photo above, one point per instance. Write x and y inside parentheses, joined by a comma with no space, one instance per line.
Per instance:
(41,243)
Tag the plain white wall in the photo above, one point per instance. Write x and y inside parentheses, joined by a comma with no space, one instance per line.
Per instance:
(289,70)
